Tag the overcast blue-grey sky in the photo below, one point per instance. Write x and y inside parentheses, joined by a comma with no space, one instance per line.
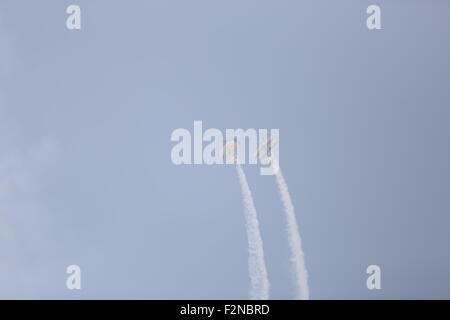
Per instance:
(86,117)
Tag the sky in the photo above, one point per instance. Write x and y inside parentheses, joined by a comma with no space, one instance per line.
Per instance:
(86,176)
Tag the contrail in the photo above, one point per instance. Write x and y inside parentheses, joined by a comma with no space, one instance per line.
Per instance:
(295,242)
(259,289)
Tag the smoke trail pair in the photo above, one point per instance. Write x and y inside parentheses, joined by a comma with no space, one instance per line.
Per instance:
(257,268)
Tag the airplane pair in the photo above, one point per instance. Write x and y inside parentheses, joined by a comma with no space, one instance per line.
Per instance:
(265,150)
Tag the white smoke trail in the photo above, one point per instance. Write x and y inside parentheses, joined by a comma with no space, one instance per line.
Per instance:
(257,268)
(295,242)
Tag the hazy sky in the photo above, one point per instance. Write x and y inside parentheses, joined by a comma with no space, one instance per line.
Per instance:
(86,117)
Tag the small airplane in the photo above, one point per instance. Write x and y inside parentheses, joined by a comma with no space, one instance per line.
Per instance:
(265,150)
(230,149)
